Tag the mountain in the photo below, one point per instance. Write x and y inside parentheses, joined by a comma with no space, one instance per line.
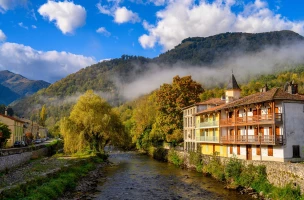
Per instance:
(110,78)
(7,96)
(15,86)
(205,50)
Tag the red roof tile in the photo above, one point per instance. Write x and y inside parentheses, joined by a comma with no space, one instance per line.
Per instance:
(12,118)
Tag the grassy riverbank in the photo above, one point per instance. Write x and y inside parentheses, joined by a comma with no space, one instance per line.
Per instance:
(47,178)
(236,175)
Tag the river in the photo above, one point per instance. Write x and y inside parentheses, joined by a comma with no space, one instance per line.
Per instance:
(134,176)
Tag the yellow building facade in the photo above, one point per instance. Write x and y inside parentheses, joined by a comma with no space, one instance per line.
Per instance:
(208,133)
(16,127)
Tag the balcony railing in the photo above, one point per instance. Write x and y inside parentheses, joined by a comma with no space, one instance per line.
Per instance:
(209,124)
(265,118)
(207,139)
(253,139)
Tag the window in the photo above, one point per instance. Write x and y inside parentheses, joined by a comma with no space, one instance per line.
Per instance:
(270,150)
(296,151)
(238,150)
(231,149)
(258,150)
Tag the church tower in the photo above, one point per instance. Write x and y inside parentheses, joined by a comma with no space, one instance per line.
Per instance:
(233,90)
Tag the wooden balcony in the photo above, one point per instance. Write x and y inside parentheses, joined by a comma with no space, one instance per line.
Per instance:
(253,139)
(212,139)
(209,124)
(250,120)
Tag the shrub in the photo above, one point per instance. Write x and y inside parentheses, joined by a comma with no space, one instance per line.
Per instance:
(195,159)
(233,169)
(174,158)
(215,168)
(160,154)
(287,192)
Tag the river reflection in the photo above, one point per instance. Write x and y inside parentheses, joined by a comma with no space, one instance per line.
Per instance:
(135,176)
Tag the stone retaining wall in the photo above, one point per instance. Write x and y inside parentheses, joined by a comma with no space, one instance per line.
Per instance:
(14,160)
(278,173)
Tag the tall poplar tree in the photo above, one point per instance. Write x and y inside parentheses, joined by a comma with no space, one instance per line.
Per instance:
(42,115)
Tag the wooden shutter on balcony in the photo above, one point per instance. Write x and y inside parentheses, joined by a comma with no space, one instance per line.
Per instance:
(258,150)
(277,130)
(276,110)
(231,149)
(238,150)
(270,150)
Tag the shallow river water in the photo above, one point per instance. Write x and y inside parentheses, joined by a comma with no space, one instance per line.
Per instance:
(134,176)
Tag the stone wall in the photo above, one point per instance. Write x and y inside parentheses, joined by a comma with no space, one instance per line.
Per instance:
(278,173)
(14,160)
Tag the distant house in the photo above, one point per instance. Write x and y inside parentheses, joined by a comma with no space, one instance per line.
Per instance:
(35,129)
(16,127)
(267,125)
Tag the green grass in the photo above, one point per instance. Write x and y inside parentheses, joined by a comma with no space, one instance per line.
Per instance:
(47,188)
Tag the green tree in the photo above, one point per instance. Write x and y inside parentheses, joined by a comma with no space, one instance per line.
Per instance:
(42,115)
(5,134)
(91,125)
(171,98)
(143,118)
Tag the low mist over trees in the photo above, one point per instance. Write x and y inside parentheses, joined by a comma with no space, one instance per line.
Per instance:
(156,118)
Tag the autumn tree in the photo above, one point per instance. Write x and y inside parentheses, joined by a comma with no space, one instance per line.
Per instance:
(5,134)
(171,98)
(91,125)
(143,118)
(42,115)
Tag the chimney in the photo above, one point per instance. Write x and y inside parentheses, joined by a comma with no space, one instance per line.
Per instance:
(265,88)
(5,113)
(291,87)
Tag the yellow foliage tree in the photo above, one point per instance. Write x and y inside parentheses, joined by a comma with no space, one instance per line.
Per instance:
(91,125)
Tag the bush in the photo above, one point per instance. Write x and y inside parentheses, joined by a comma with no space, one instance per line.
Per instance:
(195,159)
(233,169)
(160,154)
(174,158)
(287,192)
(215,168)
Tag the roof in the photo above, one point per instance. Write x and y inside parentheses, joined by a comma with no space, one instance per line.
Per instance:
(12,118)
(215,108)
(212,101)
(273,94)
(233,85)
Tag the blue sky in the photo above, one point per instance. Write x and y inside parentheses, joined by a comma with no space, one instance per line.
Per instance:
(50,39)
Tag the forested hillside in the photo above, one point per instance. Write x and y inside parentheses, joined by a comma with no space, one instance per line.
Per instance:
(200,50)
(110,78)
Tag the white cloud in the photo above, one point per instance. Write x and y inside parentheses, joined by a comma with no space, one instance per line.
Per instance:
(103,31)
(158,2)
(49,66)
(2,36)
(34,27)
(187,18)
(120,14)
(6,5)
(22,25)
(103,9)
(123,15)
(67,15)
